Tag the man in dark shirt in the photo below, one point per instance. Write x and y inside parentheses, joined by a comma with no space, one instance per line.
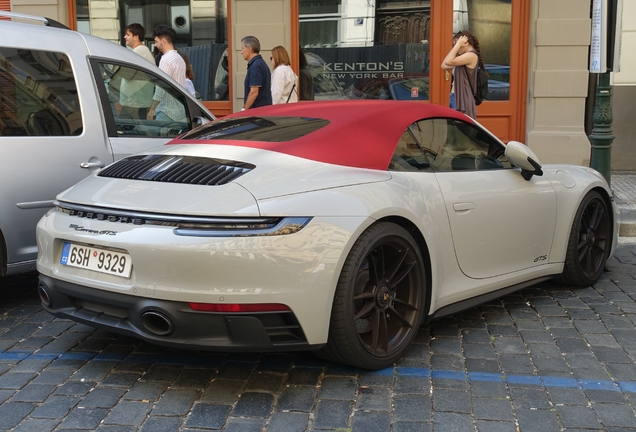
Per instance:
(258,90)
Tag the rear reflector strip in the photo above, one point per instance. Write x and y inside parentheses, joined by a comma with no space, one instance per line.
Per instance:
(215,307)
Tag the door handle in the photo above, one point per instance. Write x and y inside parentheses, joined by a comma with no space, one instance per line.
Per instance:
(92,165)
(460,207)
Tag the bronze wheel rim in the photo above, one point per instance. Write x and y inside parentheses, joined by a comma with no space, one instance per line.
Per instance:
(593,239)
(387,296)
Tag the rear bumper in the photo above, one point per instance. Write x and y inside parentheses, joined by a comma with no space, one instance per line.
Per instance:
(181,326)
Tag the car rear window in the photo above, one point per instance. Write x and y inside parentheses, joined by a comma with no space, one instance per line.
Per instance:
(264,129)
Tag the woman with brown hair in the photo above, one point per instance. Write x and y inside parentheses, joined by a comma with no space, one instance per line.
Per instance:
(284,80)
(189,75)
(463,59)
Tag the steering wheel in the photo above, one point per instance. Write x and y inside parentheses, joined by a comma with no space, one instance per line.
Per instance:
(483,162)
(430,152)
(177,128)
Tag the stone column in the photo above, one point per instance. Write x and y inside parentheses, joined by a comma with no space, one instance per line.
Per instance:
(560,33)
(104,19)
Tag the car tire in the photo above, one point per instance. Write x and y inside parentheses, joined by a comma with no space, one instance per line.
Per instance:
(3,256)
(380,299)
(589,244)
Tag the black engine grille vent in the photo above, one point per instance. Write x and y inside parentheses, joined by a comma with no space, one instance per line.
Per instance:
(177,169)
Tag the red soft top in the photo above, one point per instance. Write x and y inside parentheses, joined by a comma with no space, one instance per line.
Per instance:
(361,133)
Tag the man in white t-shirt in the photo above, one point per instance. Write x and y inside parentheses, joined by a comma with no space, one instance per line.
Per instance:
(164,105)
(134,37)
(136,91)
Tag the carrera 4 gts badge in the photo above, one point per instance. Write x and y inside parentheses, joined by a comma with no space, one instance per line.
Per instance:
(90,231)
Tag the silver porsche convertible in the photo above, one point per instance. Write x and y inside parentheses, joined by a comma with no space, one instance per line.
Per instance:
(338,227)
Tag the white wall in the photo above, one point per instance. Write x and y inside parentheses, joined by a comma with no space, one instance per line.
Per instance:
(351,32)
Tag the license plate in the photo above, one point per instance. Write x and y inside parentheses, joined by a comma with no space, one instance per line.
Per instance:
(96,259)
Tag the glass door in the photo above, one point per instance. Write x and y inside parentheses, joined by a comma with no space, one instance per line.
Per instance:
(501,28)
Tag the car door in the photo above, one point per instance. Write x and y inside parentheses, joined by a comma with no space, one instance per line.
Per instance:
(500,223)
(127,91)
(51,133)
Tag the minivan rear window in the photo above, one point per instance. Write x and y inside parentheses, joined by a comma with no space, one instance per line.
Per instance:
(264,129)
(38,94)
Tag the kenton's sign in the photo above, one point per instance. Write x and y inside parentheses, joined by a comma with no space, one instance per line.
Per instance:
(357,67)
(341,70)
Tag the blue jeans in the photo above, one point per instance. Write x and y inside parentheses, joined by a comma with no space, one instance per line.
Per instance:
(453,104)
(161,116)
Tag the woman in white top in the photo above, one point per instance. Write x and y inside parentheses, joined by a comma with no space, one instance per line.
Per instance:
(284,80)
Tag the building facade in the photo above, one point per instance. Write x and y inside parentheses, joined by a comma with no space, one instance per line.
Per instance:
(536,52)
(624,93)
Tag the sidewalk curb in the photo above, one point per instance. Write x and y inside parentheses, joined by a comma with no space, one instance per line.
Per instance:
(627,221)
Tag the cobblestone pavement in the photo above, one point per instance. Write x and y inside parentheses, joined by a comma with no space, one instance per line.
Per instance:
(547,358)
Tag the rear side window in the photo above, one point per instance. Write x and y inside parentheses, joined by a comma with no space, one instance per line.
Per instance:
(38,95)
(264,129)
(408,155)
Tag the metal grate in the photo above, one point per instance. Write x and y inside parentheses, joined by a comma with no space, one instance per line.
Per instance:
(177,169)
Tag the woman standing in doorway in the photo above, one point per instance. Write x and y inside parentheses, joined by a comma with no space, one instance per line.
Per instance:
(284,80)
(463,60)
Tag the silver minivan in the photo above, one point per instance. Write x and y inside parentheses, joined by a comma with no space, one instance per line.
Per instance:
(70,104)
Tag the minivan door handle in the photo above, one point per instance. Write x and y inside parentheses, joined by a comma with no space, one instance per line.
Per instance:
(87,165)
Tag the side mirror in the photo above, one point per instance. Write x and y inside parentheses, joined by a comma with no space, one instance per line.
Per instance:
(521,156)
(199,121)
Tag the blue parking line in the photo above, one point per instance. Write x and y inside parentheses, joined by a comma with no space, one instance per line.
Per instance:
(13,356)
(77,355)
(43,356)
(523,379)
(628,387)
(532,380)
(110,357)
(560,382)
(599,385)
(408,372)
(485,376)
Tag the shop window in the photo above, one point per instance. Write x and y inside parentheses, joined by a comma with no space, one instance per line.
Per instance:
(201,27)
(356,49)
